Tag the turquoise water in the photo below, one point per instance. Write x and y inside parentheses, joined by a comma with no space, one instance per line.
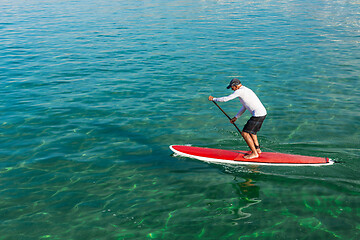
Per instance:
(94,92)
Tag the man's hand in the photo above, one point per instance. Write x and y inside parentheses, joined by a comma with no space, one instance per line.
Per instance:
(233,119)
(211,98)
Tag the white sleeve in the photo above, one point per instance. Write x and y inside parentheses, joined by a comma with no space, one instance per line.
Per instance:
(242,110)
(228,98)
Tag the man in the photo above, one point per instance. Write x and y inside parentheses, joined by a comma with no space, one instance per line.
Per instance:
(252,103)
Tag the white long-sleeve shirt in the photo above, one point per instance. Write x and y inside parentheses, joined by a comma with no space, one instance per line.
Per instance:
(249,101)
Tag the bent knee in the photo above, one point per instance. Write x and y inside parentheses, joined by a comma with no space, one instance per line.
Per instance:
(244,134)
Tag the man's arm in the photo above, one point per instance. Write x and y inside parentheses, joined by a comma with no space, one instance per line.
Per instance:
(224,99)
(242,110)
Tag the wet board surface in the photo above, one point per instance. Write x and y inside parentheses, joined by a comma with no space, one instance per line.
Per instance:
(237,157)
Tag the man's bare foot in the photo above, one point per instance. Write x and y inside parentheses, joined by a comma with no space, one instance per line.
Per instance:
(257,147)
(251,155)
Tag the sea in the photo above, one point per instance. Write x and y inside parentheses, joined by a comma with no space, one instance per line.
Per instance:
(93,93)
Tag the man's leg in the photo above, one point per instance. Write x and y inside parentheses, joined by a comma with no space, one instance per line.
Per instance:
(256,143)
(252,126)
(250,142)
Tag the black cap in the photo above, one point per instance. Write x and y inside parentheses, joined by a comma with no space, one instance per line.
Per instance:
(234,82)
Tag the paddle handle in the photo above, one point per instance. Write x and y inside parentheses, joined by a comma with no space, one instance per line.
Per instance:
(226,115)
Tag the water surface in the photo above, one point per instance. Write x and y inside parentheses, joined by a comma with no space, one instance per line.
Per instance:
(94,92)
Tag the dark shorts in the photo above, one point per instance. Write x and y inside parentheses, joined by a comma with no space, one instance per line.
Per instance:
(254,124)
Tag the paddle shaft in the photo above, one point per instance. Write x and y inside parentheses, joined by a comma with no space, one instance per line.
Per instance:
(227,116)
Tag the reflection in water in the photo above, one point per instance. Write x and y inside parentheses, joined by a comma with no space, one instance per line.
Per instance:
(250,193)
(247,190)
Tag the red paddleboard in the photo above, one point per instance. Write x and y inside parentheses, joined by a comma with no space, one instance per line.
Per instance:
(237,157)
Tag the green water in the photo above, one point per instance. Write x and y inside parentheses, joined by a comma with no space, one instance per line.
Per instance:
(94,92)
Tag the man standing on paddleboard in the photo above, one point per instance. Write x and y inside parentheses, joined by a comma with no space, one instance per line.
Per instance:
(252,103)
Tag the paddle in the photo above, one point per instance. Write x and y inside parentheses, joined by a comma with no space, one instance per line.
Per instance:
(226,115)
